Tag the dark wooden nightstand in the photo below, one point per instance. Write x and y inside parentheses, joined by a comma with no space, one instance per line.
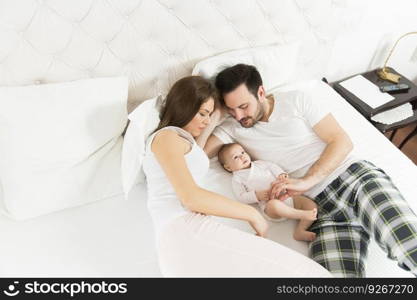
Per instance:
(400,98)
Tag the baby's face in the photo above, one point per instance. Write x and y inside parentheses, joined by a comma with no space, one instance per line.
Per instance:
(236,158)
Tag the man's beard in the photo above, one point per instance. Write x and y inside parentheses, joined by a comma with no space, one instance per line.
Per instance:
(248,122)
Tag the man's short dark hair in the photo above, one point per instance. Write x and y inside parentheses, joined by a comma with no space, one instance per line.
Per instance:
(230,78)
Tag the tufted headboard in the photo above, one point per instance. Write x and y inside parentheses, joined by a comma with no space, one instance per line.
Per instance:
(155,42)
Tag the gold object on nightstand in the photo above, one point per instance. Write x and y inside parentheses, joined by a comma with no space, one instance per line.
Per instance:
(384,73)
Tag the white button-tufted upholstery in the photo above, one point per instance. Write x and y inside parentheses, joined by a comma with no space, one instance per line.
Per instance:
(155,42)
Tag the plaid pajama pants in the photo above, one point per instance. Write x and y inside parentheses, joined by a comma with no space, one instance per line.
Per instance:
(362,203)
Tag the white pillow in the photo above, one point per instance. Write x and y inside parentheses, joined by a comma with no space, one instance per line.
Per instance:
(276,63)
(143,120)
(60,144)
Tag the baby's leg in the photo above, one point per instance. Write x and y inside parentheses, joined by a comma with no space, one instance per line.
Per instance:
(301,233)
(278,209)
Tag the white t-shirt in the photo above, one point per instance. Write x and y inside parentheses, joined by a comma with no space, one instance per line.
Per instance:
(287,138)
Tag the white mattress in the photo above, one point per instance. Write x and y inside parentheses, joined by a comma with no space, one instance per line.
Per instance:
(114,237)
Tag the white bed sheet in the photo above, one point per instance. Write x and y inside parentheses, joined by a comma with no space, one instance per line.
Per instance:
(114,237)
(108,238)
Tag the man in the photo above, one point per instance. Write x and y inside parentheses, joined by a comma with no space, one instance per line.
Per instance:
(297,131)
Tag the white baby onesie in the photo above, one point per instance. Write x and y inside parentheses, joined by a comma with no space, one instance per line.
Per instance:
(258,176)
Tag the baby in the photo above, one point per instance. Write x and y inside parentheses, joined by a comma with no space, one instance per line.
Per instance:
(251,183)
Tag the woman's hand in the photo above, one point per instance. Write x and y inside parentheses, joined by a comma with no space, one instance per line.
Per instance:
(259,224)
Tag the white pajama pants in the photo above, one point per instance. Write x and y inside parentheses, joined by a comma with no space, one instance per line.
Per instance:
(195,245)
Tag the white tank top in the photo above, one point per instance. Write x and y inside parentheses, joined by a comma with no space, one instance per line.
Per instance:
(163,203)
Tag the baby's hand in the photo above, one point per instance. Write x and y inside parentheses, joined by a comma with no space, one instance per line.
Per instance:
(282,177)
(262,195)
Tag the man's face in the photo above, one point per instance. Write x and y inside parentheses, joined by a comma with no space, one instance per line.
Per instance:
(243,106)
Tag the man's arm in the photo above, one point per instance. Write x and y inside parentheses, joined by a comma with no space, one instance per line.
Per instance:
(338,147)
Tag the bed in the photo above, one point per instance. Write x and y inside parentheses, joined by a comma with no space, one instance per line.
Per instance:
(56,41)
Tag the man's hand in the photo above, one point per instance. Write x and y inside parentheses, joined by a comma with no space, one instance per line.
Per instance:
(263,195)
(283,189)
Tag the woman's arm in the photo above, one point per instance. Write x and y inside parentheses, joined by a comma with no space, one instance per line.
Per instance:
(208,141)
(215,119)
(212,146)
(169,150)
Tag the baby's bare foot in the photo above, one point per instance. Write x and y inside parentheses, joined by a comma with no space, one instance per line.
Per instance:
(310,215)
(303,235)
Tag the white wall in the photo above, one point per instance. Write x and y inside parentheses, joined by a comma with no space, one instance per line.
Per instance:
(366,43)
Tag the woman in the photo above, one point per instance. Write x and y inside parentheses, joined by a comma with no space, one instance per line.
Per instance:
(189,242)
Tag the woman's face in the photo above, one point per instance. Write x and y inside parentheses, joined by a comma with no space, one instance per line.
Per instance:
(201,119)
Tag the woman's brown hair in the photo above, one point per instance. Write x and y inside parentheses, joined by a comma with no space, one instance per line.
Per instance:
(184,101)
